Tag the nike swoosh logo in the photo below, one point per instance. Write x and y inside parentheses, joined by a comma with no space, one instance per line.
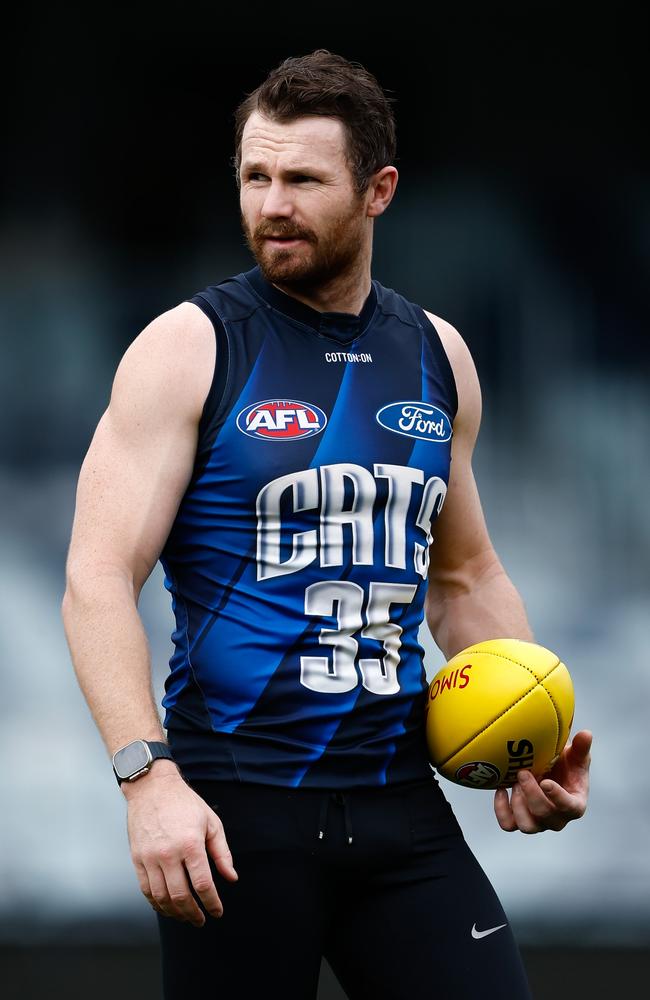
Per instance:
(481,934)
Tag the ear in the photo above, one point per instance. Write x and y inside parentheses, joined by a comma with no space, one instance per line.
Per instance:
(381,189)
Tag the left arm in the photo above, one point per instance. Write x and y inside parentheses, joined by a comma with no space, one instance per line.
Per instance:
(471,598)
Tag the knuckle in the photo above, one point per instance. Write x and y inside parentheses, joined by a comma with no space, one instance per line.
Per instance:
(178,896)
(202,884)
(190,846)
(165,852)
(223,852)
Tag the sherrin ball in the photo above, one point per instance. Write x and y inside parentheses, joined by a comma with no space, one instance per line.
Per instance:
(496,707)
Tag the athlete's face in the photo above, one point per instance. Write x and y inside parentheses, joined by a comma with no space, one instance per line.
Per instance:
(295,182)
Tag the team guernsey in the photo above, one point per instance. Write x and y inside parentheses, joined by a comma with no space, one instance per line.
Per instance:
(297,562)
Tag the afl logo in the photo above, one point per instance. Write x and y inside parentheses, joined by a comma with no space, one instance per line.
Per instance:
(478,774)
(416,420)
(281,420)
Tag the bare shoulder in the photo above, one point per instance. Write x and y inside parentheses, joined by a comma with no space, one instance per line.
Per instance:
(142,454)
(468,386)
(173,357)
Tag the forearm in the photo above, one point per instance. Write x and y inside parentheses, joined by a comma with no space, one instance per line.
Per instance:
(485,608)
(110,656)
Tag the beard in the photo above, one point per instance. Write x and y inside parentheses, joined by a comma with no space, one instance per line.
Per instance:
(316,262)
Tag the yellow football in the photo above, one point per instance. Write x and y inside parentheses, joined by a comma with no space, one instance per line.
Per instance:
(496,707)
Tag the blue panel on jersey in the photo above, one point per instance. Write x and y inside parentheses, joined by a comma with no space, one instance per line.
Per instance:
(297,560)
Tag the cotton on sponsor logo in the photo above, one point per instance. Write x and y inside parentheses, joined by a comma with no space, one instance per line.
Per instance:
(346,356)
(281,420)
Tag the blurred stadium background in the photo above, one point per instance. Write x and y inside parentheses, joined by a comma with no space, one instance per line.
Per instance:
(522,216)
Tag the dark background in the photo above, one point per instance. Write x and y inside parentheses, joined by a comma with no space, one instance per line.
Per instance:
(522,216)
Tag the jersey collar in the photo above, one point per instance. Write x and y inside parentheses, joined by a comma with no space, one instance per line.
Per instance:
(341,326)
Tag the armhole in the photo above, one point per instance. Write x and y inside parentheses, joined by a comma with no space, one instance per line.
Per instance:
(212,413)
(440,354)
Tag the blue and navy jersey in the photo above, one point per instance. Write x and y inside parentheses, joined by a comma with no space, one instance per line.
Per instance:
(297,562)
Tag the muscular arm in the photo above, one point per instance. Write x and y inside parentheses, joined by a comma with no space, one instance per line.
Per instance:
(470,596)
(131,483)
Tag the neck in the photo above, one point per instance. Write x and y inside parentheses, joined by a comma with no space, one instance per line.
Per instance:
(345,293)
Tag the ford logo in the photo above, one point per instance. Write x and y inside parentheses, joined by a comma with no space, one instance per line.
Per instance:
(416,420)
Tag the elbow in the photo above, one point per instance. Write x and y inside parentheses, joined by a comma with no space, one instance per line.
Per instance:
(448,583)
(75,593)
(91,584)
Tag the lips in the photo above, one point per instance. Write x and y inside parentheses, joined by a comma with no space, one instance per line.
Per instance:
(283,242)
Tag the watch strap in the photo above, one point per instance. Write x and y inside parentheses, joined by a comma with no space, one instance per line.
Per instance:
(159,749)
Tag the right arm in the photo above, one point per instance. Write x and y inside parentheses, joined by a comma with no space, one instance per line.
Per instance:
(131,483)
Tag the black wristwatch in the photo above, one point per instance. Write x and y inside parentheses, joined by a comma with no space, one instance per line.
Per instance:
(136,758)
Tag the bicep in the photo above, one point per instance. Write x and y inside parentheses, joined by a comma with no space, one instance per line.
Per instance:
(461,547)
(141,457)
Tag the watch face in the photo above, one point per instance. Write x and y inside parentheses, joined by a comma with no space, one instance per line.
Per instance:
(131,758)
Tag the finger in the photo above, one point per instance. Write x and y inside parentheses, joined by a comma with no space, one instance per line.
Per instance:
(218,849)
(503,811)
(145,887)
(161,900)
(579,750)
(180,894)
(571,806)
(525,821)
(200,876)
(539,805)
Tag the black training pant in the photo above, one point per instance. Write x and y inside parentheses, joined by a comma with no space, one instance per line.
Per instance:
(400,912)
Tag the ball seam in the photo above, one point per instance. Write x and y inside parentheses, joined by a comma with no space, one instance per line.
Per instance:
(502,656)
(557,717)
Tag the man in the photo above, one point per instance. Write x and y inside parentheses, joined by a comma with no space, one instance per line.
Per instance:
(283,442)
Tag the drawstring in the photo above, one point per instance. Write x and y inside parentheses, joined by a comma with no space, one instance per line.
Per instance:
(340,799)
(348,821)
(323,815)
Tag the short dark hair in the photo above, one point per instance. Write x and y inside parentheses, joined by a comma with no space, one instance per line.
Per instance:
(323,83)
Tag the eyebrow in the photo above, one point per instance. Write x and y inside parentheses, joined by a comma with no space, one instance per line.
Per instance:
(257,167)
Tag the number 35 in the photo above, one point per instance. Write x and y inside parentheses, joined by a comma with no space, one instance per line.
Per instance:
(339,674)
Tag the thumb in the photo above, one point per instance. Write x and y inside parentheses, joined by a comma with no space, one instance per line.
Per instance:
(217,847)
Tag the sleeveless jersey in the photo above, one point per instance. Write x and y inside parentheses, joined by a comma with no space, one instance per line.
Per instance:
(297,562)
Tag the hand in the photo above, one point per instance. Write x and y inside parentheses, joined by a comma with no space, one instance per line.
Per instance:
(556,799)
(169,828)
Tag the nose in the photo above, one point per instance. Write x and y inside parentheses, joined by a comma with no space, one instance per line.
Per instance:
(277,202)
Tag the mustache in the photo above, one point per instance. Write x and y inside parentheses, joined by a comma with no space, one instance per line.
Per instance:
(263,232)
